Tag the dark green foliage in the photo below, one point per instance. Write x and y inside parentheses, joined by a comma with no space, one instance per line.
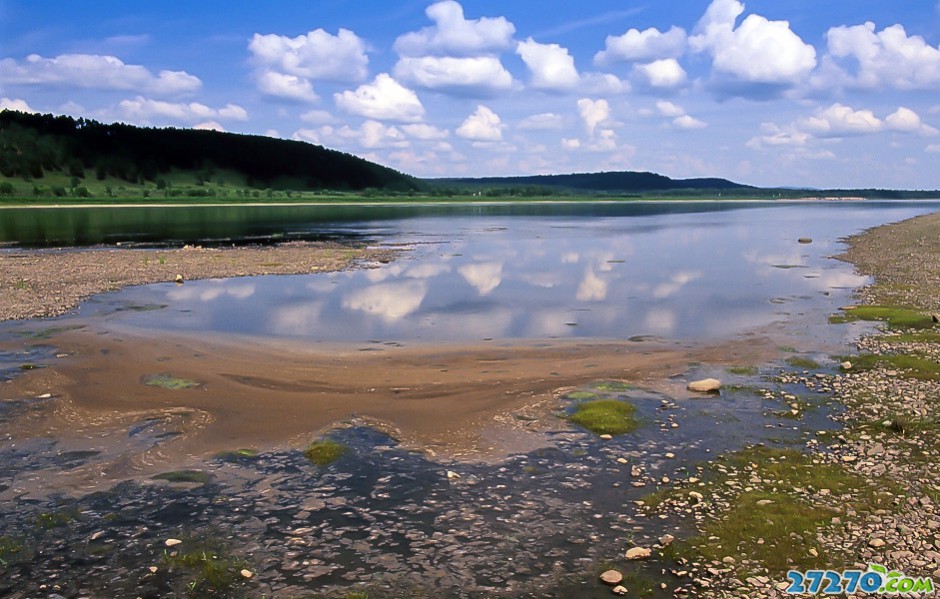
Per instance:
(32,143)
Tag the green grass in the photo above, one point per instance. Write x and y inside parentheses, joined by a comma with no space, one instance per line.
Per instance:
(910,365)
(895,317)
(611,386)
(580,395)
(12,551)
(912,337)
(210,572)
(56,519)
(168,381)
(324,452)
(606,417)
(802,363)
(183,476)
(742,370)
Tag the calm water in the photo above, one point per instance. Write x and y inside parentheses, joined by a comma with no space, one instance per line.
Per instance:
(692,271)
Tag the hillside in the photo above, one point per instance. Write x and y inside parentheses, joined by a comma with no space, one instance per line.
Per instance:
(36,147)
(612,182)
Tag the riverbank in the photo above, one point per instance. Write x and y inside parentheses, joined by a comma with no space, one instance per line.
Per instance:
(866,494)
(44,283)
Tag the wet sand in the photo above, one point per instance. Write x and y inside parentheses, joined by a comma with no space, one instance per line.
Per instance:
(453,402)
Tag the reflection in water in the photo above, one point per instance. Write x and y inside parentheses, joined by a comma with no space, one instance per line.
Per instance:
(704,275)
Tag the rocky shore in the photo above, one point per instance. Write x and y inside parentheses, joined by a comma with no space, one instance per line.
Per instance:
(866,494)
(43,283)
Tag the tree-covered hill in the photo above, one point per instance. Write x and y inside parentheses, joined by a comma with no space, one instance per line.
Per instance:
(613,182)
(32,145)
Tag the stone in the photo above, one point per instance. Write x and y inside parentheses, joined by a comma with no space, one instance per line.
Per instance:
(876,543)
(846,365)
(620,590)
(666,540)
(607,437)
(246,573)
(451,475)
(612,577)
(179,279)
(705,386)
(638,553)
(763,502)
(172,542)
(696,497)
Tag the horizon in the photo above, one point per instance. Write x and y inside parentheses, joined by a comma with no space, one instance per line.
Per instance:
(832,97)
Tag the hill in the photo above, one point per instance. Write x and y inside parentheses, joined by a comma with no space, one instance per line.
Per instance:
(607,182)
(33,146)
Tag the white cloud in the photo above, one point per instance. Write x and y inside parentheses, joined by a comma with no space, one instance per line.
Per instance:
(483,125)
(390,301)
(96,72)
(318,117)
(888,58)
(592,288)
(593,113)
(603,84)
(291,87)
(839,121)
(552,67)
(905,120)
(933,149)
(686,122)
(383,99)
(758,51)
(773,135)
(317,55)
(210,126)
(474,76)
(376,135)
(454,35)
(425,132)
(145,111)
(669,109)
(643,46)
(571,143)
(15,104)
(371,135)
(541,122)
(662,74)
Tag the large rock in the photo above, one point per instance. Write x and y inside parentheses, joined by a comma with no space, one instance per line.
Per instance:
(705,386)
(638,553)
(612,577)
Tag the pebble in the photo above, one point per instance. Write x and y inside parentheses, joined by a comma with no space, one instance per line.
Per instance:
(612,577)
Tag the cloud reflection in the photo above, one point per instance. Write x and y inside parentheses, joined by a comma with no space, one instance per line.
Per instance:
(391,301)
(207,291)
(483,276)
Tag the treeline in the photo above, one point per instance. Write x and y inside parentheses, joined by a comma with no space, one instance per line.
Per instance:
(33,144)
(610,182)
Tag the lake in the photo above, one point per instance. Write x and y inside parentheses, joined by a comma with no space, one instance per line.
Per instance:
(494,323)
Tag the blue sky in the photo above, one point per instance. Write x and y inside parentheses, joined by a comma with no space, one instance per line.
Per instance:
(808,93)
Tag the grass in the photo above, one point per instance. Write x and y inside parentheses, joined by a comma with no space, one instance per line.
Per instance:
(913,366)
(56,519)
(236,454)
(11,551)
(778,534)
(324,452)
(895,317)
(742,370)
(611,386)
(168,381)
(183,476)
(912,337)
(606,417)
(580,395)
(802,363)
(211,572)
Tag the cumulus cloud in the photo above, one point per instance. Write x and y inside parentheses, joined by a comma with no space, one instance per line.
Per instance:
(371,135)
(96,72)
(475,76)
(552,67)
(383,99)
(454,35)
(593,113)
(290,87)
(483,125)
(887,58)
(669,109)
(762,53)
(688,123)
(314,56)
(661,74)
(905,120)
(542,122)
(643,46)
(840,121)
(15,104)
(146,111)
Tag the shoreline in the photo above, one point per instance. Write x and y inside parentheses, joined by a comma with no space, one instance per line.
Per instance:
(44,283)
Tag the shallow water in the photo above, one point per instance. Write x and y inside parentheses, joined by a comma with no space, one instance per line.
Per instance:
(705,275)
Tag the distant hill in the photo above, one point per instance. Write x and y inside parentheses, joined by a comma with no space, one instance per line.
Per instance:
(613,182)
(32,145)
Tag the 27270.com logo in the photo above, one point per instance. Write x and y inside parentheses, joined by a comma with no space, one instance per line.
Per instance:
(877,579)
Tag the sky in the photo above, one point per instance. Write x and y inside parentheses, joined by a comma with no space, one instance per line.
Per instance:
(807,93)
